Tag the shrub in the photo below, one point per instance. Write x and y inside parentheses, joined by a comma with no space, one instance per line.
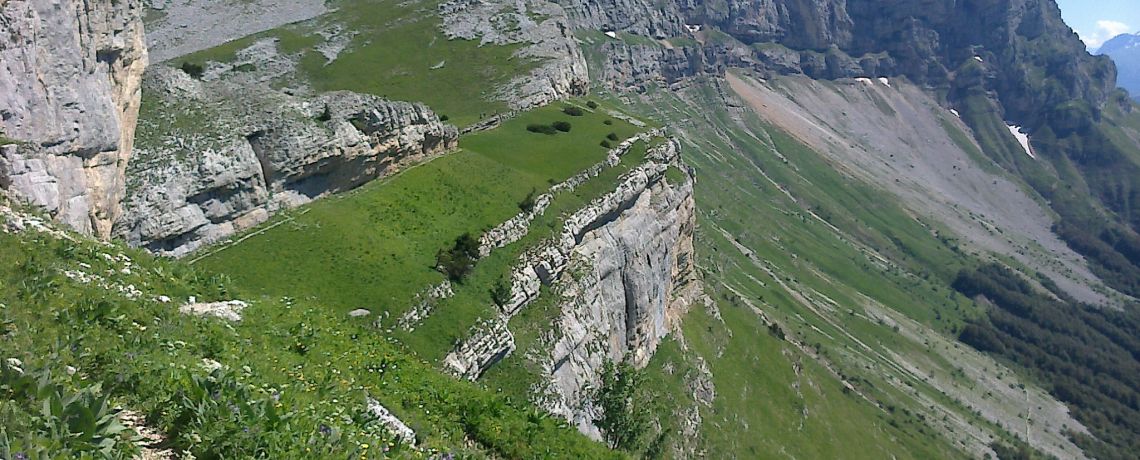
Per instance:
(624,403)
(444,118)
(563,126)
(458,261)
(612,136)
(573,111)
(247,67)
(592,105)
(605,144)
(541,129)
(608,122)
(326,115)
(527,204)
(501,293)
(195,71)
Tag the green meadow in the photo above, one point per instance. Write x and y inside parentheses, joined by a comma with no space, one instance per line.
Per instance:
(375,248)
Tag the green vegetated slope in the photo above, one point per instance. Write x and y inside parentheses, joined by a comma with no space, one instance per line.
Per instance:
(81,322)
(375,248)
(1087,166)
(791,248)
(394,51)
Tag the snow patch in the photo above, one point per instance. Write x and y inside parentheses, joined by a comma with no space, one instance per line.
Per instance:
(955,112)
(885,81)
(1022,139)
(978,58)
(611,34)
(865,81)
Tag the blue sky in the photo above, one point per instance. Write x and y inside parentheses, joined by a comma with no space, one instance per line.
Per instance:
(1100,20)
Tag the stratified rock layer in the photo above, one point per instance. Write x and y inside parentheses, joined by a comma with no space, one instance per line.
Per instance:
(226,154)
(70,74)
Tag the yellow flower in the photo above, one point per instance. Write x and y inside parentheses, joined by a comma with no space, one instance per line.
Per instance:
(364,446)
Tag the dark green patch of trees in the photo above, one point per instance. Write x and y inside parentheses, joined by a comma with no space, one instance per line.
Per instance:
(563,126)
(1089,356)
(541,129)
(573,111)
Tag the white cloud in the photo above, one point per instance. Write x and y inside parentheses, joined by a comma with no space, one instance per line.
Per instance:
(1104,31)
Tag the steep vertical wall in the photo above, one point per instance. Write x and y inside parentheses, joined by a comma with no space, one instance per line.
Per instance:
(70,75)
(624,270)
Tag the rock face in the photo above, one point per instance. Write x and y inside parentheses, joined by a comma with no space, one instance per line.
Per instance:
(542,28)
(179,27)
(231,151)
(632,269)
(930,42)
(70,75)
(624,267)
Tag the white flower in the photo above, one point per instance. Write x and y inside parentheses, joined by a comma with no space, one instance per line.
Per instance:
(15,365)
(70,370)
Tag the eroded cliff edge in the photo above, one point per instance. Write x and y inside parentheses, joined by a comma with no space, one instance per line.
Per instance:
(622,270)
(220,155)
(70,86)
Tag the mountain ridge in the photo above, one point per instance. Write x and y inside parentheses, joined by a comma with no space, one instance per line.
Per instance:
(1124,49)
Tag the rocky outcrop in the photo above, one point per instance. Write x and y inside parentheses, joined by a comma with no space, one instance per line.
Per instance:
(542,28)
(929,42)
(179,27)
(70,75)
(623,265)
(1124,49)
(229,151)
(641,17)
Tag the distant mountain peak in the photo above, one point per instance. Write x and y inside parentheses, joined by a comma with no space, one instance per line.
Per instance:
(1124,49)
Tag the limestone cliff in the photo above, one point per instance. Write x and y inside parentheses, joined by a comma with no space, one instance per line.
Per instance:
(226,153)
(623,270)
(542,30)
(70,74)
(1026,57)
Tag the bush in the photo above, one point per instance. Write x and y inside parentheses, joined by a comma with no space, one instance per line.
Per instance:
(612,136)
(458,261)
(501,293)
(608,122)
(541,129)
(605,144)
(247,67)
(326,115)
(444,118)
(527,204)
(573,111)
(563,126)
(592,105)
(195,71)
(624,403)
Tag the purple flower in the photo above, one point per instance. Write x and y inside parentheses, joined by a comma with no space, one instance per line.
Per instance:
(130,356)
(20,456)
(324,429)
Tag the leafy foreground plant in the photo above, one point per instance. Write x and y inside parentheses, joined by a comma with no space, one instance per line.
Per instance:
(102,322)
(44,419)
